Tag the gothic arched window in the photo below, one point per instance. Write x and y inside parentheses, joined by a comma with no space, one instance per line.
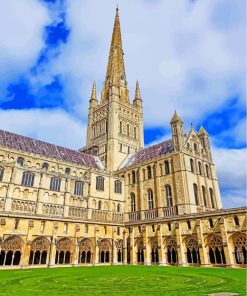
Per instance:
(78,188)
(133,202)
(236,220)
(55,184)
(149,172)
(192,165)
(27,179)
(1,173)
(133,177)
(100,183)
(118,186)
(196,194)
(168,191)
(167,168)
(212,197)
(200,168)
(207,171)
(204,196)
(150,199)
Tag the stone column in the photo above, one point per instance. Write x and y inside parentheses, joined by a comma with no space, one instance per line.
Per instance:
(52,255)
(147,259)
(181,251)
(201,243)
(124,248)
(161,246)
(228,250)
(132,246)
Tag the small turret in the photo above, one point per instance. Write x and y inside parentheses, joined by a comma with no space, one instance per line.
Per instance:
(177,132)
(93,102)
(137,100)
(203,135)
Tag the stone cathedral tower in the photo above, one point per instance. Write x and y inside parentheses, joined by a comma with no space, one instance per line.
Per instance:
(115,124)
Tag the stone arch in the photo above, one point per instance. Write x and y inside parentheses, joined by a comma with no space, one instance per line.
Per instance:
(39,250)
(63,251)
(85,251)
(239,241)
(140,250)
(154,250)
(119,246)
(11,252)
(172,252)
(193,255)
(105,251)
(216,249)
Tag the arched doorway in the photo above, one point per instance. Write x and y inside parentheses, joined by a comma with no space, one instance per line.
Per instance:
(39,250)
(239,240)
(172,253)
(63,251)
(11,251)
(119,246)
(140,251)
(193,256)
(216,250)
(154,250)
(105,251)
(85,251)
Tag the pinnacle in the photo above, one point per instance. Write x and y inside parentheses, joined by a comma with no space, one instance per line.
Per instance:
(94,92)
(175,118)
(137,92)
(202,131)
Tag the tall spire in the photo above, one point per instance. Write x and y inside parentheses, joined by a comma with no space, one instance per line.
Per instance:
(115,74)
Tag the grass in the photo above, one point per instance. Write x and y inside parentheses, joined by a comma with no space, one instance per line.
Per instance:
(122,280)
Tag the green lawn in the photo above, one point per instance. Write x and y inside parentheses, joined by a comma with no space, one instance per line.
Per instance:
(122,280)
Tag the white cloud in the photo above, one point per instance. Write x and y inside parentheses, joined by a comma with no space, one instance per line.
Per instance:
(52,126)
(187,57)
(21,37)
(231,171)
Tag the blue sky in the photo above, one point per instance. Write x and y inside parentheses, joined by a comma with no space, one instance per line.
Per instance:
(188,56)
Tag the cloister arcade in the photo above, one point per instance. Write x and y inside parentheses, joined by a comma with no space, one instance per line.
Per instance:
(39,250)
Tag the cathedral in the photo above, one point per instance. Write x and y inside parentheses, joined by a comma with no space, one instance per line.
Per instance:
(114,201)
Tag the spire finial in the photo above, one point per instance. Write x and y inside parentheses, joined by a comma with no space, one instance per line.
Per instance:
(116,62)
(137,92)
(176,118)
(94,92)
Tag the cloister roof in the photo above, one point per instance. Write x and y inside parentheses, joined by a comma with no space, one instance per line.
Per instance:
(26,144)
(149,153)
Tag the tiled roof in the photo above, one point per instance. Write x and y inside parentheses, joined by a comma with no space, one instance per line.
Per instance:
(149,153)
(25,144)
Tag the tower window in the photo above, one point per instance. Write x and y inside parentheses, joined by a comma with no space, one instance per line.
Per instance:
(121,147)
(207,171)
(195,147)
(196,194)
(67,171)
(121,127)
(118,208)
(133,177)
(100,183)
(128,149)
(106,126)
(99,205)
(211,197)
(135,132)
(149,172)
(45,166)
(78,188)
(16,224)
(204,196)
(133,202)
(1,173)
(150,199)
(128,130)
(189,224)
(200,168)
(20,161)
(118,186)
(27,179)
(192,165)
(211,223)
(168,191)
(167,169)
(55,184)
(169,226)
(236,220)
